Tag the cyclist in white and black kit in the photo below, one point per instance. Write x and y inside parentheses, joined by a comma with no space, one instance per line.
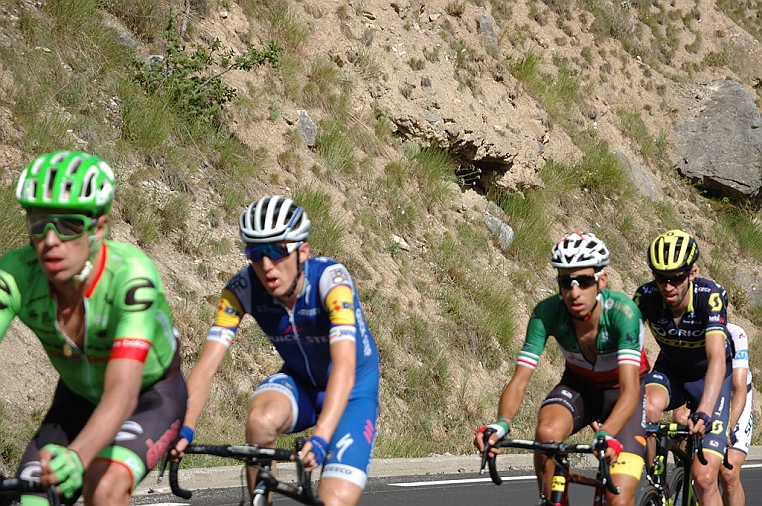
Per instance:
(740,419)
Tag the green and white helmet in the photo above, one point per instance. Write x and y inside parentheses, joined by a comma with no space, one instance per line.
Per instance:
(67,180)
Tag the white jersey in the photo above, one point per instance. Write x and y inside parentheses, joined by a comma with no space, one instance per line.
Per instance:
(743,428)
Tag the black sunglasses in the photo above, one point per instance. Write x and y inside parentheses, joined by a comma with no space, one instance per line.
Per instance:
(582,281)
(674,279)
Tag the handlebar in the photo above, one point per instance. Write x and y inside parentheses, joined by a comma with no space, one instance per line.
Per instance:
(14,487)
(551,449)
(253,456)
(674,430)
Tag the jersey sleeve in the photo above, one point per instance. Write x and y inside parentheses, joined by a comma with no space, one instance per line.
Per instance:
(227,319)
(536,338)
(741,345)
(338,296)
(717,311)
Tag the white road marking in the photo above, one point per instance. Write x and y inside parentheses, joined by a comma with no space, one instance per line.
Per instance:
(452,482)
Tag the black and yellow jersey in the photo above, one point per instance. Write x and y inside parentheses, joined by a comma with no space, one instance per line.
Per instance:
(683,344)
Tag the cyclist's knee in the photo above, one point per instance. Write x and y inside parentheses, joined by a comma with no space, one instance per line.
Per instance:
(730,478)
(705,481)
(264,424)
(338,492)
(107,484)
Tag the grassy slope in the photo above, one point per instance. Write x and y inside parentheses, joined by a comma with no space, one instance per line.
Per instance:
(449,311)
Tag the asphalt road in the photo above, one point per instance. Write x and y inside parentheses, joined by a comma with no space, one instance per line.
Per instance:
(407,481)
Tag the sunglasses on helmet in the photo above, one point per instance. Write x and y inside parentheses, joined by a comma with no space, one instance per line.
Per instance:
(673,279)
(582,281)
(273,251)
(65,226)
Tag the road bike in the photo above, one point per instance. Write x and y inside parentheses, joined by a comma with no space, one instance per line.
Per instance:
(261,459)
(673,488)
(563,475)
(11,490)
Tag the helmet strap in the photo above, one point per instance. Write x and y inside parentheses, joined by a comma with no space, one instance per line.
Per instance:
(299,270)
(94,245)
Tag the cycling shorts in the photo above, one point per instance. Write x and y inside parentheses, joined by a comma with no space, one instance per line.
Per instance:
(588,405)
(680,391)
(141,441)
(351,447)
(743,427)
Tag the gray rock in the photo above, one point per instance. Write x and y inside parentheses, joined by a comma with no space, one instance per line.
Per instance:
(501,230)
(638,176)
(307,128)
(485,24)
(720,147)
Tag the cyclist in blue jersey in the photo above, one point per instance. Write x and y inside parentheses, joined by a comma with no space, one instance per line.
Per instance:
(98,309)
(687,316)
(310,311)
(600,334)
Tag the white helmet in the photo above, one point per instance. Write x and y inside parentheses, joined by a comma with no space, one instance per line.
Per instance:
(579,249)
(274,219)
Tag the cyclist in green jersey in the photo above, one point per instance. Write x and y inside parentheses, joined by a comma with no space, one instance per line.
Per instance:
(600,334)
(98,308)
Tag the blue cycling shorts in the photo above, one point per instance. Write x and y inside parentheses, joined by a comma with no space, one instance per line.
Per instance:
(680,391)
(351,447)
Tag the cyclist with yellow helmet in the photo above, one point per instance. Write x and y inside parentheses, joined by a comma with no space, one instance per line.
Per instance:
(98,308)
(688,318)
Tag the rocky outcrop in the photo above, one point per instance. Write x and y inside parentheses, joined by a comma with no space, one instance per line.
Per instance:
(720,145)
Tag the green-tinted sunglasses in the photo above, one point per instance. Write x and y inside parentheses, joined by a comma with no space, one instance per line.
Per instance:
(65,226)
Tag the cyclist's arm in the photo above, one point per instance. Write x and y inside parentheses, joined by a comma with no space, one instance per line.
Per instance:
(629,396)
(514,391)
(121,389)
(715,371)
(199,381)
(738,398)
(341,380)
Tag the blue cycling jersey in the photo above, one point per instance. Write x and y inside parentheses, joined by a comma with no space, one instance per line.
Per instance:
(327,310)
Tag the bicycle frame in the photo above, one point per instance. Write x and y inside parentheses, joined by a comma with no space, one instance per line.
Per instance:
(669,437)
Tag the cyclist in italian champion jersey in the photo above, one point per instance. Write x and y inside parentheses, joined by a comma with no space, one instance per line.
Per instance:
(310,311)
(687,316)
(600,334)
(740,419)
(98,308)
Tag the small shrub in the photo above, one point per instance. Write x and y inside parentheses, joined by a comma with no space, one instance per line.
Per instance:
(456,8)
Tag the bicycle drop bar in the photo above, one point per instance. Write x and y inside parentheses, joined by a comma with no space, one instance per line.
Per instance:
(17,486)
(549,449)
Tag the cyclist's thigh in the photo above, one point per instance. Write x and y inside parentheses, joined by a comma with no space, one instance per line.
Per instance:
(567,395)
(660,383)
(64,420)
(351,447)
(716,436)
(299,398)
(147,434)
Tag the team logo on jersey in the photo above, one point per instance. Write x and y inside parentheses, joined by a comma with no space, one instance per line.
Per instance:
(340,306)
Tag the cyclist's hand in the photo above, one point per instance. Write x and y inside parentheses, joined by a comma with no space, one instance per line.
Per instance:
(313,453)
(186,437)
(732,439)
(698,422)
(63,467)
(499,430)
(613,445)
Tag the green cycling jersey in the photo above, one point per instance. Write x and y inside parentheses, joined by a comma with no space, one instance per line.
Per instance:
(126,316)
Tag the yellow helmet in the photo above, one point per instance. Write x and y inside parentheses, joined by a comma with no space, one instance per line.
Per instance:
(673,251)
